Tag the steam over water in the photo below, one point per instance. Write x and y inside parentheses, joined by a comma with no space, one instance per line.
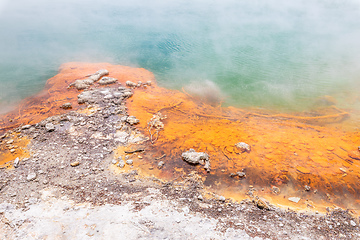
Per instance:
(265,53)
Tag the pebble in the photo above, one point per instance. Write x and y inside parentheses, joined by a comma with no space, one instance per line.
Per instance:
(74,164)
(121,164)
(129,162)
(31,176)
(294,199)
(160,164)
(10,141)
(352,223)
(307,188)
(49,127)
(16,162)
(25,127)
(222,198)
(12,150)
(114,161)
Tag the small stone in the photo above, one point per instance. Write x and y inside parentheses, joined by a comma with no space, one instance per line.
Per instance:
(294,199)
(16,162)
(114,161)
(31,176)
(25,127)
(74,164)
(66,106)
(10,141)
(130,84)
(132,120)
(49,127)
(275,190)
(221,198)
(12,150)
(352,223)
(307,188)
(121,164)
(107,80)
(262,204)
(129,162)
(200,197)
(241,174)
(160,164)
(244,147)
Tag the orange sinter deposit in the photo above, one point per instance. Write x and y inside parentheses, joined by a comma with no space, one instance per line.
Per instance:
(276,156)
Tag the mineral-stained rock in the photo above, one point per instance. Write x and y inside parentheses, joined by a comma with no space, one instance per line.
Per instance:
(262,204)
(160,164)
(194,157)
(85,83)
(207,166)
(130,84)
(132,120)
(244,147)
(275,190)
(74,164)
(66,106)
(107,80)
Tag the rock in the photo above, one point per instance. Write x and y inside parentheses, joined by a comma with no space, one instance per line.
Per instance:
(262,204)
(244,147)
(354,155)
(352,223)
(16,162)
(160,164)
(107,80)
(66,106)
(121,164)
(200,197)
(194,157)
(10,141)
(130,84)
(12,150)
(129,162)
(307,188)
(25,127)
(241,174)
(114,161)
(132,120)
(294,199)
(85,83)
(148,83)
(74,164)
(221,198)
(31,176)
(275,190)
(49,127)
(207,166)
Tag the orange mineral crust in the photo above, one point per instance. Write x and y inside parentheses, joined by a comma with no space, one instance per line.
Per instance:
(286,151)
(302,155)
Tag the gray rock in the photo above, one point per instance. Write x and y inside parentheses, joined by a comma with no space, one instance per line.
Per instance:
(121,164)
(352,223)
(160,164)
(66,106)
(294,199)
(194,157)
(25,127)
(244,147)
(31,176)
(16,162)
(49,127)
(129,162)
(130,84)
(107,80)
(132,120)
(114,161)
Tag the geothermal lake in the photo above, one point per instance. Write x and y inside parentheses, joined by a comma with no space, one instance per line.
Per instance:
(268,53)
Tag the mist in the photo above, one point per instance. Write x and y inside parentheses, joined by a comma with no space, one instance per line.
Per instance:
(274,54)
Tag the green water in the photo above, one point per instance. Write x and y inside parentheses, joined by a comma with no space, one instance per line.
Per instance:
(265,53)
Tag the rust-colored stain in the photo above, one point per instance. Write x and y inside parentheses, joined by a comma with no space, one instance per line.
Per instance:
(12,147)
(287,151)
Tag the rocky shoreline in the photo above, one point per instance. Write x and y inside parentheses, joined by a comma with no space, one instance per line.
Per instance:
(73,186)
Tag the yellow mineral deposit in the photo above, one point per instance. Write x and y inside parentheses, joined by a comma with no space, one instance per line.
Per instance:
(306,156)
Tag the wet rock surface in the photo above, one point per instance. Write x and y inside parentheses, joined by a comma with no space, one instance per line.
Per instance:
(69,165)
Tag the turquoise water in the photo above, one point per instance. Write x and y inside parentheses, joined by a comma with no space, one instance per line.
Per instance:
(265,53)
